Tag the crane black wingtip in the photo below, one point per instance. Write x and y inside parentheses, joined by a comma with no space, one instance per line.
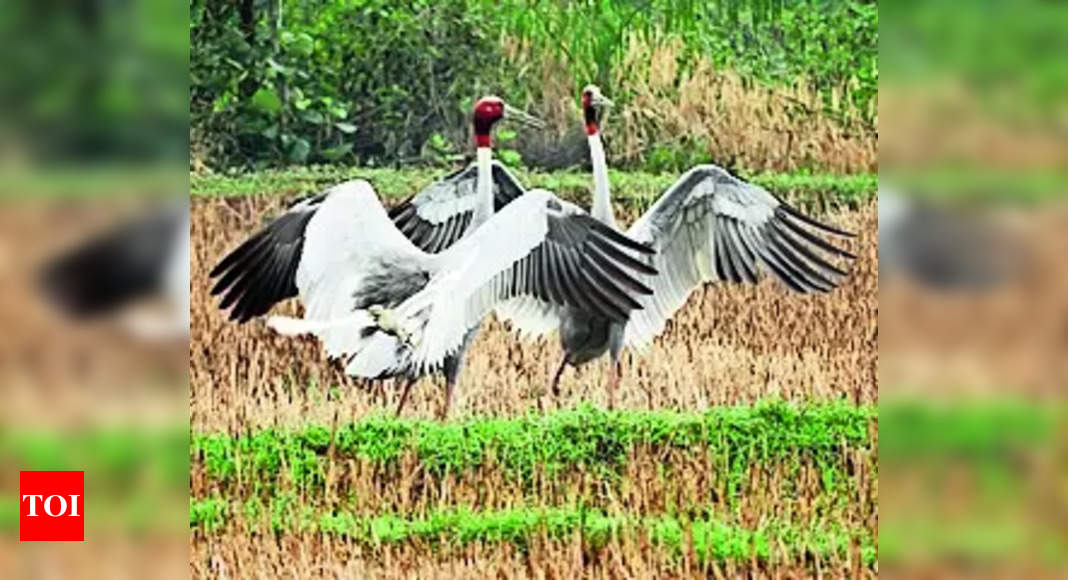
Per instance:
(624,240)
(815,223)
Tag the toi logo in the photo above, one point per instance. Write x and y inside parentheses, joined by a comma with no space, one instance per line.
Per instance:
(52,506)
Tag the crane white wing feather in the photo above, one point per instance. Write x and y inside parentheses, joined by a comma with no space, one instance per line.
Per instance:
(468,284)
(531,248)
(711,226)
(349,230)
(530,316)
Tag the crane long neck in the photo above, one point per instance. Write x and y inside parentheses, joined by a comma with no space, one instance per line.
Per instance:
(602,202)
(484,186)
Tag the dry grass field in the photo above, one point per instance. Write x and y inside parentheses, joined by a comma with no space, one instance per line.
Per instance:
(758,127)
(284,479)
(321,556)
(728,345)
(766,490)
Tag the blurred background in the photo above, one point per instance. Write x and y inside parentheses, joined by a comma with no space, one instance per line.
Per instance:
(94,139)
(973,288)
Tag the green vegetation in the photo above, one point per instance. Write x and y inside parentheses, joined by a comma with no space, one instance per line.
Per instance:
(977,537)
(631,189)
(978,184)
(273,481)
(95,85)
(928,42)
(383,82)
(585,437)
(111,457)
(711,539)
(921,429)
(100,182)
(135,476)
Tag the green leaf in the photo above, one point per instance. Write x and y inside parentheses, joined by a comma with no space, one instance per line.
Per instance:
(335,153)
(304,44)
(510,157)
(437,141)
(275,66)
(505,135)
(222,102)
(347,128)
(266,100)
(300,150)
(313,117)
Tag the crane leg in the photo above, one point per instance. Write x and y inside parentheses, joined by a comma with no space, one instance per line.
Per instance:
(614,375)
(404,395)
(555,385)
(450,385)
(452,366)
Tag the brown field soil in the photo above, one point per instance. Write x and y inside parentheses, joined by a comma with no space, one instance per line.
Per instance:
(728,345)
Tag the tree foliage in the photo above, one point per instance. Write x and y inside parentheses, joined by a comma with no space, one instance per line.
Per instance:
(375,81)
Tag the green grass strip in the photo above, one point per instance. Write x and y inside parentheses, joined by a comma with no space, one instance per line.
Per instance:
(978,536)
(712,539)
(628,188)
(973,183)
(911,429)
(135,475)
(95,181)
(585,437)
(110,456)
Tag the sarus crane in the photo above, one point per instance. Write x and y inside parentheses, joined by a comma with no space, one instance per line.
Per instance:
(388,308)
(708,226)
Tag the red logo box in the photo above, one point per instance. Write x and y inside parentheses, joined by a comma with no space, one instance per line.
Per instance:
(52,506)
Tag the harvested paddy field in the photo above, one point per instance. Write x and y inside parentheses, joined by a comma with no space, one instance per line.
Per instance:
(733,488)
(728,345)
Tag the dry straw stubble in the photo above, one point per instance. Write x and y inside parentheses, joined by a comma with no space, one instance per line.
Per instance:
(728,345)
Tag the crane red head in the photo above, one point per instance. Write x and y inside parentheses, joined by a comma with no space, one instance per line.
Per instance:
(490,109)
(593,104)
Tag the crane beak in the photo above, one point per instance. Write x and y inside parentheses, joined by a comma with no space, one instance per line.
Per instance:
(523,117)
(600,100)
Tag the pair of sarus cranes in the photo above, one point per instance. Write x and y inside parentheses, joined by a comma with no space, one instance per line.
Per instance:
(402,294)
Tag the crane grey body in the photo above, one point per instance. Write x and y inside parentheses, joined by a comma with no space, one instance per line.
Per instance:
(433,229)
(391,285)
(388,283)
(584,336)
